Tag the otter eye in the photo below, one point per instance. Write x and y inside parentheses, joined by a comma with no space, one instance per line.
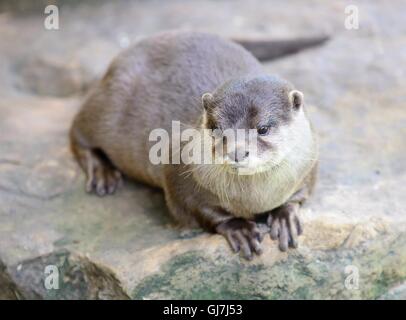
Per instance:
(263,131)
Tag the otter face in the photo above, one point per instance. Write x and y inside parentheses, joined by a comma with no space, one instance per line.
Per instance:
(256,122)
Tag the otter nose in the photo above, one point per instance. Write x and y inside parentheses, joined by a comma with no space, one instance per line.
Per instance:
(237,155)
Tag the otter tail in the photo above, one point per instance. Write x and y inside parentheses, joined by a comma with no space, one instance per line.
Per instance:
(264,49)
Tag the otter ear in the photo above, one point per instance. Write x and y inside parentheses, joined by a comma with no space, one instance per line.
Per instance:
(207,99)
(296,99)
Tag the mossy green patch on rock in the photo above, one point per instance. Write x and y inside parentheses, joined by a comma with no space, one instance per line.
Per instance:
(303,275)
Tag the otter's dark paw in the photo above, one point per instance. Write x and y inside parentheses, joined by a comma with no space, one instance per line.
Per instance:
(103,180)
(242,235)
(285,226)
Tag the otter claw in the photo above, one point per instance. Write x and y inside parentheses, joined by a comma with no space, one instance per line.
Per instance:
(285,226)
(103,181)
(242,235)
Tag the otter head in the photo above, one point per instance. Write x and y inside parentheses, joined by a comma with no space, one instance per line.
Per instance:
(267,109)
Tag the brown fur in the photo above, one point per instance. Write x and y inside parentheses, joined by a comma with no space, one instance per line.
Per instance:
(160,79)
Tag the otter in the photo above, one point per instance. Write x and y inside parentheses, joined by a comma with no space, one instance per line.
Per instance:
(205,82)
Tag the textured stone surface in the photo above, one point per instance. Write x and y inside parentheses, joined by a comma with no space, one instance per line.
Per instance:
(79,278)
(125,246)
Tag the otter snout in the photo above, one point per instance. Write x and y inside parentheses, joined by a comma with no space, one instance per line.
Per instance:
(238,155)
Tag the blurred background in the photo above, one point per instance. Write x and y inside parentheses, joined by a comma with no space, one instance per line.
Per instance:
(126,246)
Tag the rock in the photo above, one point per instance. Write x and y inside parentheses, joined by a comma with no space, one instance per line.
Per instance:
(307,273)
(126,246)
(74,278)
(8,289)
(396,293)
(51,77)
(58,75)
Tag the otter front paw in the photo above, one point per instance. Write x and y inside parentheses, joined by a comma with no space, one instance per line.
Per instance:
(242,235)
(285,226)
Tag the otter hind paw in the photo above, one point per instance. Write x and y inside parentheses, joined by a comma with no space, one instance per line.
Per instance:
(102,177)
(103,181)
